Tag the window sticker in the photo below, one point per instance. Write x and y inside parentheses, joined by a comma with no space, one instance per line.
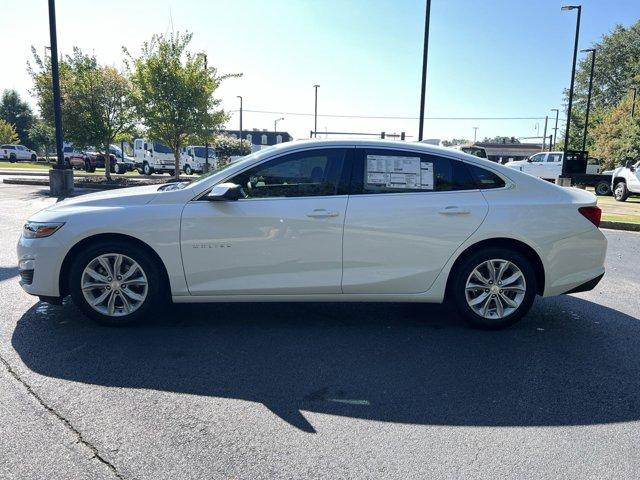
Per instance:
(399,172)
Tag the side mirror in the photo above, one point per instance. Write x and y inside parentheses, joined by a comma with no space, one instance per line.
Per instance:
(224,192)
(529,160)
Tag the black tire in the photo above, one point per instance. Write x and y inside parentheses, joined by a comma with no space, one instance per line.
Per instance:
(34,157)
(603,188)
(88,167)
(67,164)
(458,292)
(12,158)
(621,192)
(156,293)
(188,170)
(147,169)
(117,169)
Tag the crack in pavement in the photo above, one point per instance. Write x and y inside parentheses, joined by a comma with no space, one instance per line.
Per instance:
(59,416)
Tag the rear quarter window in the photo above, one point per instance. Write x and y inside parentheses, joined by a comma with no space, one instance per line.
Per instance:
(484,178)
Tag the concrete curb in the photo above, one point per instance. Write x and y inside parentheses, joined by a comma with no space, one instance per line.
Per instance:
(629,227)
(76,184)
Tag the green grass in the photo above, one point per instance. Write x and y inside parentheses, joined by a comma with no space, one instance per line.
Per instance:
(25,165)
(612,217)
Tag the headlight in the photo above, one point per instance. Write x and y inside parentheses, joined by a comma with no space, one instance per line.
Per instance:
(40,230)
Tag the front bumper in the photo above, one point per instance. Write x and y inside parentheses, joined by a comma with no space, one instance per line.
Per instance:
(39,263)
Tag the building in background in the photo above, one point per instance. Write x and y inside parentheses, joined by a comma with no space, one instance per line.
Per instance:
(260,138)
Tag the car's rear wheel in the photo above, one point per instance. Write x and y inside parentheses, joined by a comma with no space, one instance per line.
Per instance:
(621,192)
(493,288)
(116,283)
(188,170)
(34,158)
(12,158)
(117,169)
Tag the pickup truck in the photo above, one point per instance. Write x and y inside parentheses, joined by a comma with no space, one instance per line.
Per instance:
(13,153)
(625,180)
(548,165)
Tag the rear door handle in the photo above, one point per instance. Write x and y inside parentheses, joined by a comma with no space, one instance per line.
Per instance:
(453,211)
(322,213)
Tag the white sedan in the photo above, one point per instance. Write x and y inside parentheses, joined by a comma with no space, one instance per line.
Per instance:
(321,221)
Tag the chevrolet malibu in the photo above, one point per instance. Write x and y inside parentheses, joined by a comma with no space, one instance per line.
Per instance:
(354,221)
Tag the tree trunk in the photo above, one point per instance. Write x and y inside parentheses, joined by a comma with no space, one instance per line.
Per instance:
(176,156)
(107,162)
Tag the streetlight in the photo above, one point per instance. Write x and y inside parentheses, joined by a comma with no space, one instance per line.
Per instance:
(425,52)
(586,119)
(555,129)
(573,76)
(60,179)
(315,115)
(240,97)
(275,124)
(633,102)
(475,134)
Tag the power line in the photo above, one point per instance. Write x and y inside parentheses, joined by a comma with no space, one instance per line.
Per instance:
(379,117)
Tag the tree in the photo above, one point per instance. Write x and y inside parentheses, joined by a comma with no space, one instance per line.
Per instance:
(617,70)
(618,135)
(42,135)
(455,141)
(500,139)
(95,100)
(18,113)
(174,92)
(8,132)
(227,146)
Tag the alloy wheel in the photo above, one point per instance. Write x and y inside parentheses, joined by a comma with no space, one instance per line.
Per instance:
(495,289)
(114,284)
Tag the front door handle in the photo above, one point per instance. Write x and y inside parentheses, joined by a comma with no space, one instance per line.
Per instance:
(322,213)
(453,211)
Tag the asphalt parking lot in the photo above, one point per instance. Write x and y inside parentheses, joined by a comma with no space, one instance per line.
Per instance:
(320,390)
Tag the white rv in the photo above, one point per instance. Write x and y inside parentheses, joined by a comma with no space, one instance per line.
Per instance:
(153,157)
(192,159)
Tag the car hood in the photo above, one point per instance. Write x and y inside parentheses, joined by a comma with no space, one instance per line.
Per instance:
(110,198)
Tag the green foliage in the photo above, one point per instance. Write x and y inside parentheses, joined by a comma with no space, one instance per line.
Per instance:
(174,91)
(455,141)
(8,132)
(617,70)
(42,135)
(227,146)
(499,139)
(617,135)
(18,113)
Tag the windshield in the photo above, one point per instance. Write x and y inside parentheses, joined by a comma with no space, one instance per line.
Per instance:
(160,148)
(201,151)
(245,159)
(478,152)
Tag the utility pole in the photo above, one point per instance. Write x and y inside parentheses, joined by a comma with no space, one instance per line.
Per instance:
(425,54)
(315,114)
(555,129)
(586,119)
(60,179)
(275,124)
(573,76)
(240,97)
(475,134)
(633,102)
(544,137)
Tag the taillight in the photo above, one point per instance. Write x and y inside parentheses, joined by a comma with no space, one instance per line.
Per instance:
(593,214)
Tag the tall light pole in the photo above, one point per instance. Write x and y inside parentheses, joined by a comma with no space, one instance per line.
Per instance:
(586,119)
(425,53)
(475,134)
(240,97)
(555,129)
(544,137)
(633,102)
(60,180)
(573,76)
(275,124)
(315,114)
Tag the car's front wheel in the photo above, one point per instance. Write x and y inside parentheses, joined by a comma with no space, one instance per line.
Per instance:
(621,192)
(116,283)
(117,169)
(146,169)
(188,170)
(493,288)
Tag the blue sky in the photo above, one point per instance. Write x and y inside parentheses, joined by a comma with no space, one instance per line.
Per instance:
(493,58)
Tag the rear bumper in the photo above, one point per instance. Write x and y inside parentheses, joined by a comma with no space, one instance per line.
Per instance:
(586,286)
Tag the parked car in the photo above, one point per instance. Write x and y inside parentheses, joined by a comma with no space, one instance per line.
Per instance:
(548,165)
(73,158)
(192,159)
(321,221)
(153,157)
(625,180)
(123,163)
(13,153)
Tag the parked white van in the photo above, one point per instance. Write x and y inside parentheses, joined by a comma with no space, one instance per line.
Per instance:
(153,157)
(192,159)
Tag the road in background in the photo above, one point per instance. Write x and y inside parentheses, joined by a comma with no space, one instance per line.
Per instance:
(254,391)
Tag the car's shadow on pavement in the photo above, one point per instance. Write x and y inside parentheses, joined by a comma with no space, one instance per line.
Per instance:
(570,362)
